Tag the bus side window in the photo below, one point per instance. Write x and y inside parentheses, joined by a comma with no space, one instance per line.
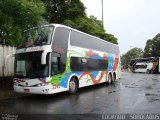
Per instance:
(55,65)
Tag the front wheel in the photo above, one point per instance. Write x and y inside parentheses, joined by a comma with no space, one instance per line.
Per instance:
(73,85)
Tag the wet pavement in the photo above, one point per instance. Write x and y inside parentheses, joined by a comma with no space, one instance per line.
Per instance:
(133,93)
(9,94)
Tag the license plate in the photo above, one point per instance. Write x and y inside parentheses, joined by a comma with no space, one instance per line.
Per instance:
(26,90)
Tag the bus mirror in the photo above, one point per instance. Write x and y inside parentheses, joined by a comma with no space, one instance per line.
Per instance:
(43,58)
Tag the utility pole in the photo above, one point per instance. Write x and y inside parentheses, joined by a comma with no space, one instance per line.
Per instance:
(102,13)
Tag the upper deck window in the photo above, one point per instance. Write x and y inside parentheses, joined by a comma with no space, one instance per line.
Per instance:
(87,41)
(37,37)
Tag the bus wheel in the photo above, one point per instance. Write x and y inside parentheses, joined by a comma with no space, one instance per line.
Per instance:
(114,77)
(148,71)
(109,78)
(73,85)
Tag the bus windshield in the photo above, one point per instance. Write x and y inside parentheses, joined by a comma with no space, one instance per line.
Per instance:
(37,37)
(28,65)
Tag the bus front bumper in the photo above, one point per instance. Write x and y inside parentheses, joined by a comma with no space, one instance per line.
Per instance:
(48,89)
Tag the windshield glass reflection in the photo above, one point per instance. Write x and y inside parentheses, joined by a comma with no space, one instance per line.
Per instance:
(28,65)
(37,37)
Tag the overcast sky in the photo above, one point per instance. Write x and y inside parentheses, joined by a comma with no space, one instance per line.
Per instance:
(133,22)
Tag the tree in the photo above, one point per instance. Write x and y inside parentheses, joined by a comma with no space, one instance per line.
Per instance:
(57,11)
(98,30)
(156,46)
(131,54)
(73,14)
(148,49)
(17,16)
(152,48)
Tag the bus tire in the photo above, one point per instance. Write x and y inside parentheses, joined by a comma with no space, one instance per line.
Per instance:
(73,85)
(148,71)
(114,77)
(109,78)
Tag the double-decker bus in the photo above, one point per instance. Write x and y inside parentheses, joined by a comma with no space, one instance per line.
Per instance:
(55,58)
(145,65)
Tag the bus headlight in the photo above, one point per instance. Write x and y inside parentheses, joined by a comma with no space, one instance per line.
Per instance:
(42,84)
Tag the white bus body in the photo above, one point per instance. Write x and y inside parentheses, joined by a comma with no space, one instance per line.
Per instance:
(56,58)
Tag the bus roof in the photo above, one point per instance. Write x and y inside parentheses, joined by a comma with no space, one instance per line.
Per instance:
(60,25)
(143,58)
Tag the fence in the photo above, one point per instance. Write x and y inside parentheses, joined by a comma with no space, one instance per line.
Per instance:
(6,67)
(6,62)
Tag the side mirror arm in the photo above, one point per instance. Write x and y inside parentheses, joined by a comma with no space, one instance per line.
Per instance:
(43,57)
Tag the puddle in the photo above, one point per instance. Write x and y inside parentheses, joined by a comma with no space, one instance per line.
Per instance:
(112,91)
(149,87)
(140,80)
(134,86)
(97,97)
(131,87)
(154,100)
(153,84)
(154,78)
(151,94)
(151,97)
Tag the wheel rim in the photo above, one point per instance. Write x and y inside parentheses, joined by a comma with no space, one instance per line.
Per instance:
(109,79)
(114,78)
(72,85)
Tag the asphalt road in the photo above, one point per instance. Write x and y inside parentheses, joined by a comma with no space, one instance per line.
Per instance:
(133,93)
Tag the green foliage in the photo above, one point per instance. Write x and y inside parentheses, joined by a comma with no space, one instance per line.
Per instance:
(131,54)
(73,14)
(57,11)
(148,49)
(18,15)
(152,48)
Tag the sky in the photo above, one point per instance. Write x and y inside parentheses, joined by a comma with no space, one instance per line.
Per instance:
(133,22)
